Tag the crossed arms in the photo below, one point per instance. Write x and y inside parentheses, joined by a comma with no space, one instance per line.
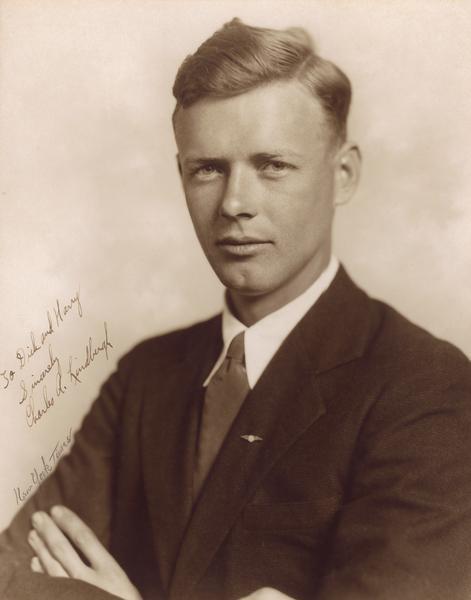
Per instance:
(363,560)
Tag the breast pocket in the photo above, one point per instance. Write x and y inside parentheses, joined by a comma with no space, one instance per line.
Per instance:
(290,516)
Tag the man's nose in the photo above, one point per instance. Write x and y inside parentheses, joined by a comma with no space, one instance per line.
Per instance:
(239,199)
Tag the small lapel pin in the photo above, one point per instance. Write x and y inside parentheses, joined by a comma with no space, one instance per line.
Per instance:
(251,438)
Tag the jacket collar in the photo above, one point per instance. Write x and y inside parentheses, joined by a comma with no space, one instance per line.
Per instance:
(339,327)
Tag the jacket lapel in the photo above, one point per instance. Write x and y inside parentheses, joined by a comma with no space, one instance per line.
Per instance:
(285,402)
(169,423)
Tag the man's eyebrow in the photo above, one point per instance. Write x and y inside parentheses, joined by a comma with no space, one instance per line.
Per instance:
(257,156)
(194,161)
(276,154)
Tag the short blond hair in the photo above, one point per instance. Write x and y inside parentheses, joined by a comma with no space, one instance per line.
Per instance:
(238,58)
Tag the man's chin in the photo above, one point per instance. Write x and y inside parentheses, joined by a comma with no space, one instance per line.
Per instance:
(244,284)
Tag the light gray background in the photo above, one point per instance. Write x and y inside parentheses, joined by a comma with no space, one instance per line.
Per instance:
(90,196)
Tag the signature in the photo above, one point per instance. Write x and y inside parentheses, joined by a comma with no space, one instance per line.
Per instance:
(46,467)
(91,352)
(43,371)
(35,412)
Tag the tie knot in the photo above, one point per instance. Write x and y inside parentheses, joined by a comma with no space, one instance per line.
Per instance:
(236,348)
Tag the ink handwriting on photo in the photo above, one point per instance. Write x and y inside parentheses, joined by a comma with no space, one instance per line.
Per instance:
(45,367)
(93,350)
(47,463)
(55,317)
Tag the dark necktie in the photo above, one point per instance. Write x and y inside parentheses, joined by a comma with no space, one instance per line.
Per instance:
(224,396)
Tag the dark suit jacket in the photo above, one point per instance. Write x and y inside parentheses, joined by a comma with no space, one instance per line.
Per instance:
(360,488)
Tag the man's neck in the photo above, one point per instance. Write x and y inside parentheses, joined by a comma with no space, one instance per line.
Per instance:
(250,309)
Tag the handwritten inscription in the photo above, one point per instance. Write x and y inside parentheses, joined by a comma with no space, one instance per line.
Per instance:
(42,375)
(59,313)
(38,474)
(91,352)
(55,317)
(35,412)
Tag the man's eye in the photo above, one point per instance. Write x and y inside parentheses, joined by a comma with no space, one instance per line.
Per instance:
(206,171)
(276,167)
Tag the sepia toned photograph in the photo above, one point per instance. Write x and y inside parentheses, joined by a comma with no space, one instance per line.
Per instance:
(235,274)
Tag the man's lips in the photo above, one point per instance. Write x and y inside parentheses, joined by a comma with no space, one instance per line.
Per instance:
(232,240)
(242,245)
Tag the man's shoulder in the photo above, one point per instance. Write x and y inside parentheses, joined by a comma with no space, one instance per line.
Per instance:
(410,351)
(174,344)
(378,342)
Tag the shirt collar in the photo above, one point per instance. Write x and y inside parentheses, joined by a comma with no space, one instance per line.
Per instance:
(264,337)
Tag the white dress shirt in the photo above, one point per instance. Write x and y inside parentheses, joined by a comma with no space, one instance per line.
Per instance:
(264,337)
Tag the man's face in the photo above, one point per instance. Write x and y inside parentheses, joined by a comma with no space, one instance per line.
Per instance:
(259,179)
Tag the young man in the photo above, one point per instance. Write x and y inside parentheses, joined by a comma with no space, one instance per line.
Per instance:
(311,442)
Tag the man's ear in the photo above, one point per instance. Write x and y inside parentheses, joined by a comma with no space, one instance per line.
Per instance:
(347,172)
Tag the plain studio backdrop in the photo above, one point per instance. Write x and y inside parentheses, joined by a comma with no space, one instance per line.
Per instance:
(94,228)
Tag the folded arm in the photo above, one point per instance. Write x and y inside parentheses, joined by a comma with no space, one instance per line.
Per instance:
(84,482)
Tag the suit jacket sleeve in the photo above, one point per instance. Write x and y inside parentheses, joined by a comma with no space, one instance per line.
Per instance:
(404,532)
(83,481)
